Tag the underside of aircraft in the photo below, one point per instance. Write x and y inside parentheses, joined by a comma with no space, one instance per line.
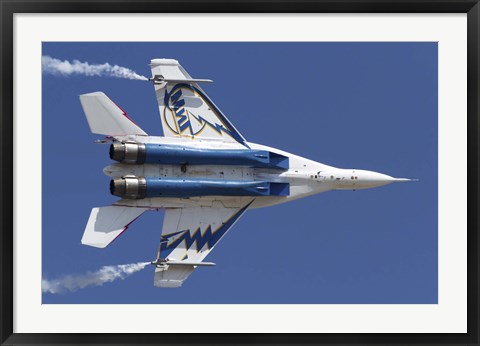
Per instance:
(202,172)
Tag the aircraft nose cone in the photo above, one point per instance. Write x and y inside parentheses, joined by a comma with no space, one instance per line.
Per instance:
(367,179)
(374,176)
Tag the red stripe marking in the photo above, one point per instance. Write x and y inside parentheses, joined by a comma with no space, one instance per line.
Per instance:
(124,113)
(126,227)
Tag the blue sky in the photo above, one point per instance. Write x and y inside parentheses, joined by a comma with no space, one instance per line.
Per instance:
(351,105)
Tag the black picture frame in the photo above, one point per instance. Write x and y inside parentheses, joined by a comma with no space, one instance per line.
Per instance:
(9,7)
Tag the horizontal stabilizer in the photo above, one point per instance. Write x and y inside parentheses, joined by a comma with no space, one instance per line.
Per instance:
(106,118)
(107,223)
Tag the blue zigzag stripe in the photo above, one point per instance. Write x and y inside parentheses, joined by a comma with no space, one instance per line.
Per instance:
(210,238)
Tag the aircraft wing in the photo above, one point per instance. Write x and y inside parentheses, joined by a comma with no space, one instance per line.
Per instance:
(185,109)
(188,236)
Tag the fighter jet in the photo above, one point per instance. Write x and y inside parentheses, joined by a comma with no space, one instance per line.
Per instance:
(202,172)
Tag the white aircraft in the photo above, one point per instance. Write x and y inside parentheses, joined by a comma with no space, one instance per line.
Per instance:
(202,172)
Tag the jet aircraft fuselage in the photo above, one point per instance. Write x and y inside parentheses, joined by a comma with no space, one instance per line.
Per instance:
(303,177)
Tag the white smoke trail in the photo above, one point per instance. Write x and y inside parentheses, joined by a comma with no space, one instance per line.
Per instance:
(98,278)
(66,68)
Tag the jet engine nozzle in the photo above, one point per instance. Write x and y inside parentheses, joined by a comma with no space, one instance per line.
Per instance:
(128,152)
(129,187)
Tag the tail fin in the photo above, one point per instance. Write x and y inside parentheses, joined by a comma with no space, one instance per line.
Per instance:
(108,223)
(106,118)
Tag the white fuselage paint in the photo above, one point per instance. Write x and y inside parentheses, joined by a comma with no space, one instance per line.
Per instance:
(306,177)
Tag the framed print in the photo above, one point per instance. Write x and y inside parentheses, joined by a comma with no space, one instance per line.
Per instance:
(376,103)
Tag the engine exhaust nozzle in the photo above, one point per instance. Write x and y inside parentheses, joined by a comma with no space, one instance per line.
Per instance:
(128,152)
(129,187)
